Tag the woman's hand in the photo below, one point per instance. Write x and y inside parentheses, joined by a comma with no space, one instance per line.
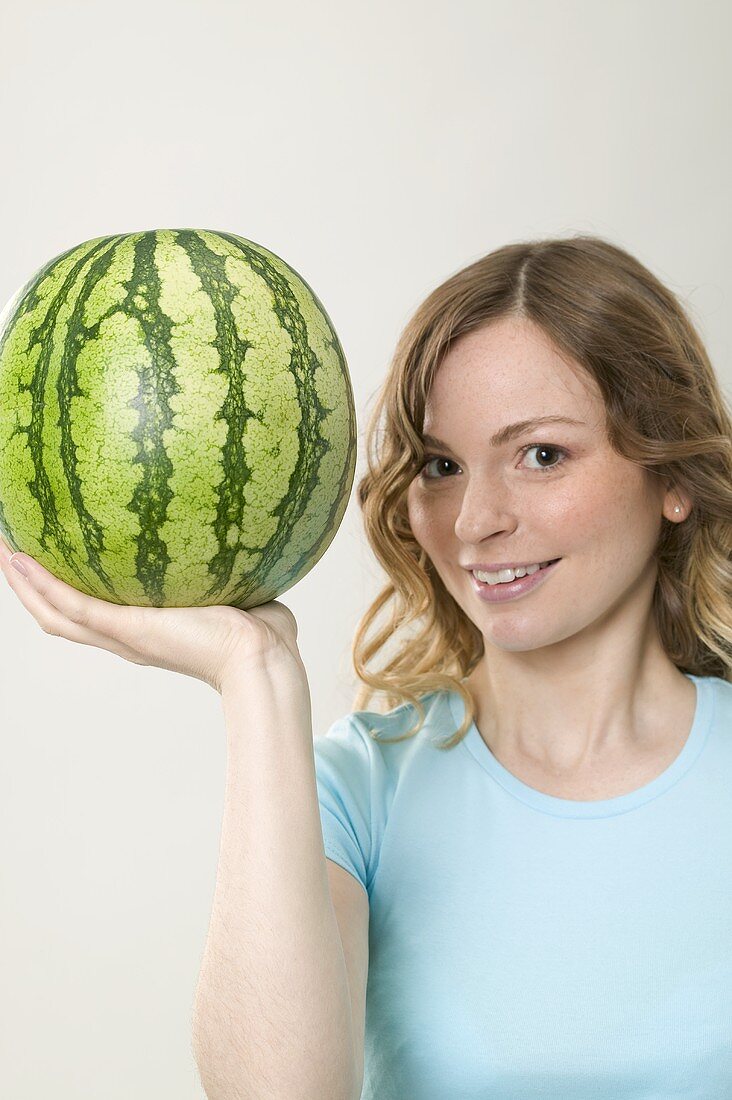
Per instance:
(209,643)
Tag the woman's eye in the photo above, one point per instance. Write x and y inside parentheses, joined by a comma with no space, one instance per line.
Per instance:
(544,449)
(430,459)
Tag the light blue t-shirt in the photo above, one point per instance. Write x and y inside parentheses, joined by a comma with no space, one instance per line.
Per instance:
(524,946)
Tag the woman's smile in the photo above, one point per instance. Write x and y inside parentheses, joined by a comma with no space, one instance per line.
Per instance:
(503,591)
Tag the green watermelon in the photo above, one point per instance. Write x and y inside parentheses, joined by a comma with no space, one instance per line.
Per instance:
(177,424)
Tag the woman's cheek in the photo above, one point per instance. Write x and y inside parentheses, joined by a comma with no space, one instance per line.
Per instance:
(421,518)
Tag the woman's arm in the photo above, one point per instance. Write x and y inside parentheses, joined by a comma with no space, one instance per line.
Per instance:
(273,1011)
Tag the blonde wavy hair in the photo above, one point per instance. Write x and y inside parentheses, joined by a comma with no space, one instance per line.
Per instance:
(665,410)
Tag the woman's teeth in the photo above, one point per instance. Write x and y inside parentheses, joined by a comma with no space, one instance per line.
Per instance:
(503,576)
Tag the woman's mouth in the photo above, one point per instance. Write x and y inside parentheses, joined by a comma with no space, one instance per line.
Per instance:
(509,590)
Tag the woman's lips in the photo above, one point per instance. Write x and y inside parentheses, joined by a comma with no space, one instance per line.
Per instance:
(499,593)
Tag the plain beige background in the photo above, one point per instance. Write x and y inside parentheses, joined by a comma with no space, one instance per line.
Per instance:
(377,148)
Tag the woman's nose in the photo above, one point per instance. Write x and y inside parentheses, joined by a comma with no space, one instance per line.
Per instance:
(484,510)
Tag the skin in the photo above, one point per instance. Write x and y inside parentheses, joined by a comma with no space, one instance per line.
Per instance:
(575,693)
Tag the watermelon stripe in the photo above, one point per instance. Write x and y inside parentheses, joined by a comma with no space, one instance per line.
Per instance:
(27,299)
(67,387)
(51,530)
(152,402)
(232,348)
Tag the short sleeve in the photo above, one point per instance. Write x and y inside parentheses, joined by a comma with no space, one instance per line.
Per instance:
(345,772)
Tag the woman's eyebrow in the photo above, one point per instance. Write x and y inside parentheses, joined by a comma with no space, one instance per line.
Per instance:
(503,435)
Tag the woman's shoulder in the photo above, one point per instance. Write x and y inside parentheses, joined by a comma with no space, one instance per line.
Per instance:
(401,718)
(722,690)
(391,731)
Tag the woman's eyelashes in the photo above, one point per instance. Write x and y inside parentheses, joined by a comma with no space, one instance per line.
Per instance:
(543,447)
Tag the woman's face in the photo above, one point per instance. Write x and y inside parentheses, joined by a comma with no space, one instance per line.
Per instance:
(510,502)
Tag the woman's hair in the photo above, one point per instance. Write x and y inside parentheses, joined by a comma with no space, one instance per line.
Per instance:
(664,410)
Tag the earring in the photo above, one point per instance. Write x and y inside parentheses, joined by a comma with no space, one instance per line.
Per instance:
(677,509)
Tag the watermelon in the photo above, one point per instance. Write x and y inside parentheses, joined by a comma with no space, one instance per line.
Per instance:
(177,423)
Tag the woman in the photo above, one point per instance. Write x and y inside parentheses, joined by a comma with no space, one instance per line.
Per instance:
(544,826)
(517,882)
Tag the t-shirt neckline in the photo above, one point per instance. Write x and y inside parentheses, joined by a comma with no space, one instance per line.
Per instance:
(607,807)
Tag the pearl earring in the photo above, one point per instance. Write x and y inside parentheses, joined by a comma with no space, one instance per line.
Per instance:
(677,509)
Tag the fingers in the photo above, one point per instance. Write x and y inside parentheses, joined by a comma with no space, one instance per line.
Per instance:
(65,612)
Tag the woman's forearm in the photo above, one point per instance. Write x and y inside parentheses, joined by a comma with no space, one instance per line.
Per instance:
(272,1013)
